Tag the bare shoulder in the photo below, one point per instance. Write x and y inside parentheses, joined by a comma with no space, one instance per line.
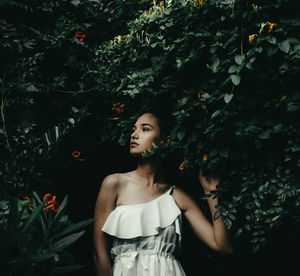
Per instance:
(109,186)
(182,199)
(111,181)
(107,195)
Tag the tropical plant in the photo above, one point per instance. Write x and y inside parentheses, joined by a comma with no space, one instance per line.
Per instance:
(35,234)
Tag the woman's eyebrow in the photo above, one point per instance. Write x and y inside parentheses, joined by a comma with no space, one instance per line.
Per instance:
(144,124)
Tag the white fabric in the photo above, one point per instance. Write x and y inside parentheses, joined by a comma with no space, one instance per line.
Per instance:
(146,238)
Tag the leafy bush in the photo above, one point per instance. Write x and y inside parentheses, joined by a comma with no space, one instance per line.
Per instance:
(34,237)
(227,70)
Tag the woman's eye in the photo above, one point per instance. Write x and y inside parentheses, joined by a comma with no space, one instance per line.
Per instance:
(145,129)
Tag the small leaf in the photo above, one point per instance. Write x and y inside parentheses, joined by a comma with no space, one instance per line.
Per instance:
(272,40)
(228,97)
(180,135)
(232,69)
(238,232)
(235,79)
(284,46)
(217,215)
(216,113)
(206,196)
(239,59)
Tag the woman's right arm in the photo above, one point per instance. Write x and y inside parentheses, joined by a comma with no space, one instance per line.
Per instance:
(105,204)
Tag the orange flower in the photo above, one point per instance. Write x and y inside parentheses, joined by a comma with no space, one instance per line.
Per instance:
(118,107)
(146,13)
(181,167)
(251,38)
(205,157)
(161,4)
(271,26)
(76,153)
(116,118)
(51,204)
(201,2)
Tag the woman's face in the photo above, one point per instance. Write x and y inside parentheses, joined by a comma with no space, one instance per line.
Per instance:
(145,131)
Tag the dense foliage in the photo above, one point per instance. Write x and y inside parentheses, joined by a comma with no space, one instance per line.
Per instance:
(231,67)
(225,71)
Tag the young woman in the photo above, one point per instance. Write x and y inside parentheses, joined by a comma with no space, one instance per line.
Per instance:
(138,227)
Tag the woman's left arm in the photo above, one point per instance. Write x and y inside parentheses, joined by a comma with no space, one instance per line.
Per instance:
(213,234)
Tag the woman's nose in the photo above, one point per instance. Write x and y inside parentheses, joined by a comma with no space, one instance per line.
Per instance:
(134,134)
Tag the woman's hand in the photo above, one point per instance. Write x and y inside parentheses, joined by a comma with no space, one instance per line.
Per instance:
(208,183)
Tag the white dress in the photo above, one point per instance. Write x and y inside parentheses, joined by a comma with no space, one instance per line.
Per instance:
(146,238)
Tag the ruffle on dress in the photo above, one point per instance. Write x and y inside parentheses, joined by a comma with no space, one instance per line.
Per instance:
(144,219)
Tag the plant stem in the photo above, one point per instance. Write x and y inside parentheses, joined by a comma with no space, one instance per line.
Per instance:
(4,124)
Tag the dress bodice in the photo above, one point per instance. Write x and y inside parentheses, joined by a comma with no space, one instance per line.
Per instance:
(146,237)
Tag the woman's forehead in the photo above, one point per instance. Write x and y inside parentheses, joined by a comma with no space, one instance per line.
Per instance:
(147,118)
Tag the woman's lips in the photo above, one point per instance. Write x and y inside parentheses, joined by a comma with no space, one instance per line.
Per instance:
(133,145)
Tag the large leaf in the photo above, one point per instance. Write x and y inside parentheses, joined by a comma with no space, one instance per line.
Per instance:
(65,242)
(34,215)
(33,258)
(72,228)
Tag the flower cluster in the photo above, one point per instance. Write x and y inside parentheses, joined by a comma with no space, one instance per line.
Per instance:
(262,26)
(118,107)
(79,35)
(51,204)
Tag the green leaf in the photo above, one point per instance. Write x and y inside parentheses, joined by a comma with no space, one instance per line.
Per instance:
(235,79)
(291,107)
(216,113)
(65,242)
(72,228)
(272,40)
(233,68)
(180,135)
(257,203)
(239,59)
(33,258)
(228,97)
(295,148)
(34,215)
(224,153)
(284,46)
(238,232)
(61,207)
(217,215)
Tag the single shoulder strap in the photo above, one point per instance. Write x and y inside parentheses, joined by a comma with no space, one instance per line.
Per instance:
(172,188)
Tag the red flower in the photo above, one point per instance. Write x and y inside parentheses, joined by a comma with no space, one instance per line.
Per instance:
(79,35)
(51,204)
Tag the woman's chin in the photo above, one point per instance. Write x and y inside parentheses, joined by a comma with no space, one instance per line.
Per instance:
(135,154)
